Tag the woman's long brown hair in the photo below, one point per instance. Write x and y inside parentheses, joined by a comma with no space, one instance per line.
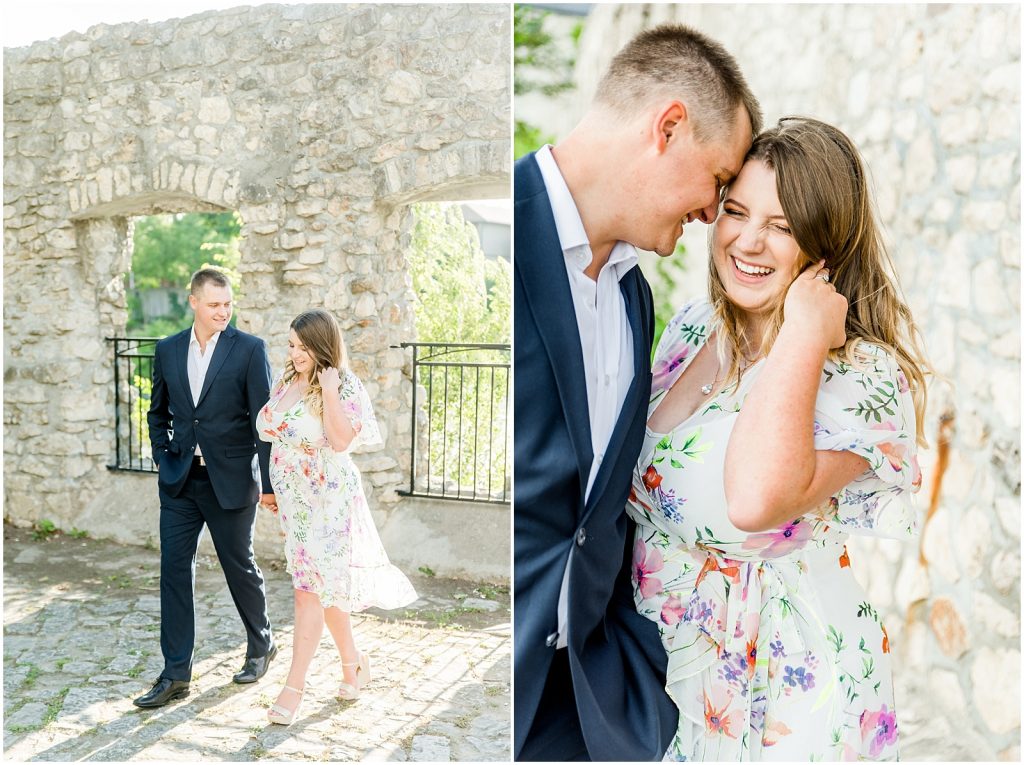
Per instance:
(320,334)
(821,183)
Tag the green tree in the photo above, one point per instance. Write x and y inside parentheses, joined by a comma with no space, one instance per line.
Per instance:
(667,274)
(167,250)
(534,51)
(461,295)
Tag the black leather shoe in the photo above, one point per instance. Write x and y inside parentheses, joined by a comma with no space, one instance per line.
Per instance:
(255,667)
(163,691)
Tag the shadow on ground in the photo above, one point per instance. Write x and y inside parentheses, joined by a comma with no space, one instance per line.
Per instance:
(81,639)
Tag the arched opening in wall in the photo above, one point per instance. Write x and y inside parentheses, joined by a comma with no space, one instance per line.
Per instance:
(459,258)
(165,250)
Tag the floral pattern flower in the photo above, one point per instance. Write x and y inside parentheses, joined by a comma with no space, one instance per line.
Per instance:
(652,480)
(770,640)
(719,720)
(784,540)
(645,564)
(878,729)
(672,610)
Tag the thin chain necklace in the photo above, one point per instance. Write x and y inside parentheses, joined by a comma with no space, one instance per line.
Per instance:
(744,365)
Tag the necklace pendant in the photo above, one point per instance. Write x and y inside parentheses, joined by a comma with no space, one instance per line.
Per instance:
(706,389)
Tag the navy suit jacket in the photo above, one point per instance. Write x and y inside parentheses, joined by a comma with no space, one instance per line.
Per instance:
(615,655)
(223,423)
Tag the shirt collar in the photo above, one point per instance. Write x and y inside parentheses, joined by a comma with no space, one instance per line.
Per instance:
(567,218)
(569,225)
(193,340)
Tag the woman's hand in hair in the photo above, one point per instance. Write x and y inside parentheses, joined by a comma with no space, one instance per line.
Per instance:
(330,379)
(814,308)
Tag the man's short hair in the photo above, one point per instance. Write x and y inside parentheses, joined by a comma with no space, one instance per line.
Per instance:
(205,276)
(677,61)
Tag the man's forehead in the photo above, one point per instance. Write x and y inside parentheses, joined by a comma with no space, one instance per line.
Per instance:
(731,161)
(728,174)
(213,293)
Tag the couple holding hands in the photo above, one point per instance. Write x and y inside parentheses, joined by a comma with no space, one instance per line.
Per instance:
(682,586)
(213,410)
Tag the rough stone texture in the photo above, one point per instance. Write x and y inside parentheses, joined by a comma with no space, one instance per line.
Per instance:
(318,123)
(82,639)
(937,120)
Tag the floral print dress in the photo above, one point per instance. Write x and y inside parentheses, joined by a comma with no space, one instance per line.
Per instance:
(331,543)
(773,651)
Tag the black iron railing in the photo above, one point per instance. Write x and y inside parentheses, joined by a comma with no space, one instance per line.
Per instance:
(460,435)
(133,383)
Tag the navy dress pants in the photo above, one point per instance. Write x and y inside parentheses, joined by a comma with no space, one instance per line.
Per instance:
(181,524)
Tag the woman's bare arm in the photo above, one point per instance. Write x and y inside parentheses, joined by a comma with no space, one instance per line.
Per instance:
(772,471)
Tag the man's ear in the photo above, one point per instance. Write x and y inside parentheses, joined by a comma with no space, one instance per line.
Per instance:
(192,301)
(671,122)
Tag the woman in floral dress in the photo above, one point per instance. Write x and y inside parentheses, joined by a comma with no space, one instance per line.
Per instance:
(785,415)
(317,413)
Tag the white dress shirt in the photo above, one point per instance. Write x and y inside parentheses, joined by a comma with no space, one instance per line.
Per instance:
(605,333)
(198,364)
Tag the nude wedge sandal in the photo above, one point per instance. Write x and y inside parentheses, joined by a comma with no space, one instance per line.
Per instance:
(279,715)
(348,691)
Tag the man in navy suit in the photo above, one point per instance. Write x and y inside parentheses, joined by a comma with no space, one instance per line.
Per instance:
(209,383)
(670,124)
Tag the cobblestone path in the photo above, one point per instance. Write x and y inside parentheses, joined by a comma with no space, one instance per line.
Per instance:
(81,639)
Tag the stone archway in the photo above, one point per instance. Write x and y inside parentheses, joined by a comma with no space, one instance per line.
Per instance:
(316,123)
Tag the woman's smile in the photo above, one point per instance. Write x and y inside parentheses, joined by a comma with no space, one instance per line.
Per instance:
(750,273)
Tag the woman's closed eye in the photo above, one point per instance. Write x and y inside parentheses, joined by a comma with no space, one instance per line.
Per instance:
(739,215)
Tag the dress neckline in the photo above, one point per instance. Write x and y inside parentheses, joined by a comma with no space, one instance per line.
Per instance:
(281,395)
(711,326)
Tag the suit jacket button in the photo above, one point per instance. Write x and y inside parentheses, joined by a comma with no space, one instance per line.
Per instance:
(581,537)
(195,422)
(551,640)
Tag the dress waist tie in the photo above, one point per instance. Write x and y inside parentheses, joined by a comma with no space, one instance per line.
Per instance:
(719,631)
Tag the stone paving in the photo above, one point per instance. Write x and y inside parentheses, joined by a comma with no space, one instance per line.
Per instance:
(81,639)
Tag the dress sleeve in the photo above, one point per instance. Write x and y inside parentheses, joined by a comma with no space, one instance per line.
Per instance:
(681,338)
(868,410)
(355,403)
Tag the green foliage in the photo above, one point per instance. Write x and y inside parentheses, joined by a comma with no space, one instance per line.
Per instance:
(30,679)
(44,529)
(140,395)
(668,273)
(534,50)
(167,250)
(461,296)
(529,138)
(54,705)
(427,571)
(491,591)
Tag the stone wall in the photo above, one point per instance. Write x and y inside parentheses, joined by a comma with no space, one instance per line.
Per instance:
(318,123)
(931,95)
